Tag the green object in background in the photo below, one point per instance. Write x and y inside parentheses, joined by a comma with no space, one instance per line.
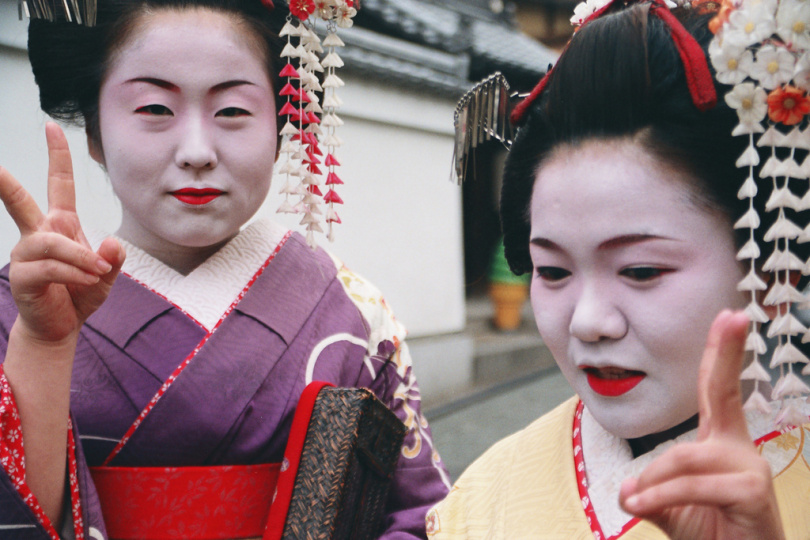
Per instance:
(499,271)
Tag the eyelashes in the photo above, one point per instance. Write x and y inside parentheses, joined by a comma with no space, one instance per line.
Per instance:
(154,110)
(641,274)
(232,112)
(645,273)
(161,110)
(552,274)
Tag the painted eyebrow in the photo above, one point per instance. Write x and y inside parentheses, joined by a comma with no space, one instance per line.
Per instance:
(619,241)
(160,83)
(629,239)
(166,85)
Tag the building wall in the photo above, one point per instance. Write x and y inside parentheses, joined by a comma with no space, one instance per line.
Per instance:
(549,23)
(402,218)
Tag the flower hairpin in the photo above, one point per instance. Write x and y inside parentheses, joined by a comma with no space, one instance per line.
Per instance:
(586,9)
(698,77)
(761,48)
(311,125)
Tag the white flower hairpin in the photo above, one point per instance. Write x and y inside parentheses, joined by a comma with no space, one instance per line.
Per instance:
(761,48)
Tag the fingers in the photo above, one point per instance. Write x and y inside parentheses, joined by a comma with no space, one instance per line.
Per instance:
(702,458)
(719,395)
(745,489)
(112,252)
(730,477)
(33,277)
(61,189)
(54,246)
(92,297)
(20,204)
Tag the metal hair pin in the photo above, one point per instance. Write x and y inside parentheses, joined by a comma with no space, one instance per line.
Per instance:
(79,11)
(482,114)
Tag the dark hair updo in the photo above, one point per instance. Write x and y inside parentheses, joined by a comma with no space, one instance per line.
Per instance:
(621,76)
(69,61)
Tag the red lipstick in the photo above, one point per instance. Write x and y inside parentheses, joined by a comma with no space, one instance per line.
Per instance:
(196,196)
(613,382)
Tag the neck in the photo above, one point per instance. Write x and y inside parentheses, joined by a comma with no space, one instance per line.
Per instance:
(182,259)
(642,445)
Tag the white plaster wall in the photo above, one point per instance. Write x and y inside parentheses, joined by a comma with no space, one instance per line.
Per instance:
(402,218)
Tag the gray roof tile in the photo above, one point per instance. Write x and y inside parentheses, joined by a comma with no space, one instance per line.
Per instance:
(482,42)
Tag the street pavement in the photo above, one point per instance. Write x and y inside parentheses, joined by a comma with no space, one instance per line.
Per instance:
(464,429)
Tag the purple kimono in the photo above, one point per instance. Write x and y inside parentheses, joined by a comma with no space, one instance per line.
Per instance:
(233,402)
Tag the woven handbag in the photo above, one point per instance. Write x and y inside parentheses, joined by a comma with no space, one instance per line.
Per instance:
(342,467)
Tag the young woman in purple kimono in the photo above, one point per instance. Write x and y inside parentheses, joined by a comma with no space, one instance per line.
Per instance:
(176,350)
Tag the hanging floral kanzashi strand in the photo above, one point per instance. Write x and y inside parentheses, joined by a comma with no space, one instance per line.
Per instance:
(761,48)
(310,125)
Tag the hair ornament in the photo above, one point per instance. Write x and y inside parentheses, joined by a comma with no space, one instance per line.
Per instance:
(489,110)
(481,114)
(309,131)
(77,11)
(310,140)
(762,49)
(698,77)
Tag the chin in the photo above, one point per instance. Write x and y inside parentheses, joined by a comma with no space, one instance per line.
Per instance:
(208,239)
(625,430)
(626,422)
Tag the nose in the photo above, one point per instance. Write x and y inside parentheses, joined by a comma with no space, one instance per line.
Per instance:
(196,148)
(596,317)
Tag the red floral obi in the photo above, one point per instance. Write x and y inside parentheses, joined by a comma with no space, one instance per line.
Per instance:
(157,503)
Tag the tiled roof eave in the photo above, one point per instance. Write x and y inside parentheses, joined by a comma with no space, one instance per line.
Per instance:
(397,71)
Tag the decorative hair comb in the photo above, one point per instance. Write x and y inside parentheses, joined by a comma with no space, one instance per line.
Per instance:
(79,11)
(482,114)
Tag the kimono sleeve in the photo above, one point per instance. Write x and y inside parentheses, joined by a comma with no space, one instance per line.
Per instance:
(21,516)
(421,479)
(19,510)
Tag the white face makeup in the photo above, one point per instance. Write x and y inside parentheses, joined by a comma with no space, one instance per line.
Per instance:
(188,129)
(629,274)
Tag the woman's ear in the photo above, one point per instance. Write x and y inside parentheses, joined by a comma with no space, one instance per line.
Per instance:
(94,148)
(770,280)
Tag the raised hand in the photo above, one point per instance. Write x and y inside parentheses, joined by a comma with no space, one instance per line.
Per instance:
(717,487)
(57,280)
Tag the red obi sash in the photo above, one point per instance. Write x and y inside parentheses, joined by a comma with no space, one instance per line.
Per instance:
(204,503)
(161,503)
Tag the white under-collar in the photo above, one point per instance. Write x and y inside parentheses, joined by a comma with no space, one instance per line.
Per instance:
(208,291)
(608,461)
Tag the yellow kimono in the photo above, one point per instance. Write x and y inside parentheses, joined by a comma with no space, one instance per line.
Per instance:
(526,486)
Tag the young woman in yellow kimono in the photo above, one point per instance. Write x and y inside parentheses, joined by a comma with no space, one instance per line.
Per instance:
(623,196)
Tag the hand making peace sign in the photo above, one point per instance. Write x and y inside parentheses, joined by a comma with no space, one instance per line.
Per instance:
(719,486)
(56,279)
